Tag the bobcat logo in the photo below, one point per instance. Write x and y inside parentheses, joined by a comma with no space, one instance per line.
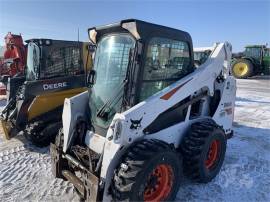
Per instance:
(135,124)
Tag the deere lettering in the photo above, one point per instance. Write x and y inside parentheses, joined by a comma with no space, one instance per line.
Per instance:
(54,85)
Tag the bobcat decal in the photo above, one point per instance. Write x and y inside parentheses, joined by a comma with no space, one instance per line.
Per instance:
(135,124)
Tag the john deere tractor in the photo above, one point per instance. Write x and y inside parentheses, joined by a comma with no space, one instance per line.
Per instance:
(254,60)
(55,71)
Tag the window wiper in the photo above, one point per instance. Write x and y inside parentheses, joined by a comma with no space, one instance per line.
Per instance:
(103,111)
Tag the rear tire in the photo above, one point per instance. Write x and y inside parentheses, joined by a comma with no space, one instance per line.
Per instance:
(42,134)
(242,69)
(203,151)
(150,171)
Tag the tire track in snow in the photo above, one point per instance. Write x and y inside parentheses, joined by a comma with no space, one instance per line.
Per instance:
(25,175)
(25,171)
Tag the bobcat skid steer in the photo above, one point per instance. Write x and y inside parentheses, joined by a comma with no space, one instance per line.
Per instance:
(149,115)
(55,71)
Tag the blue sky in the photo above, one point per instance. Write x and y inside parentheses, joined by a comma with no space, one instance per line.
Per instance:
(239,22)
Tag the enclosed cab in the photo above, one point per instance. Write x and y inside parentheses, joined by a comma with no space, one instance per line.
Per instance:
(131,67)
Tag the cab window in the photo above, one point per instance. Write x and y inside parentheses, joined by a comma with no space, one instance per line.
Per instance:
(167,61)
(62,61)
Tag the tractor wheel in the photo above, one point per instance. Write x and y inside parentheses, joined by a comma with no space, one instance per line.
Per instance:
(242,69)
(42,134)
(149,171)
(203,150)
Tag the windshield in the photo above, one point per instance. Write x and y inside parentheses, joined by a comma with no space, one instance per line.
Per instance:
(111,62)
(253,52)
(33,55)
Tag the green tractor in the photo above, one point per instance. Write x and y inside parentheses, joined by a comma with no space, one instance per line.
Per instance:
(254,60)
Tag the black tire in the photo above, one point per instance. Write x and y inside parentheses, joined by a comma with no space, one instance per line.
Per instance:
(135,171)
(199,163)
(42,134)
(248,73)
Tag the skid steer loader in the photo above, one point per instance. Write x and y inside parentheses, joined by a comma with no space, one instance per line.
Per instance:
(55,71)
(149,115)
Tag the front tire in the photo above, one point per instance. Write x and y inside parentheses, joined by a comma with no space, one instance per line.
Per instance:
(242,69)
(203,149)
(150,171)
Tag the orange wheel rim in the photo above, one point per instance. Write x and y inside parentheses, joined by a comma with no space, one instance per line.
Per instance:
(159,184)
(212,155)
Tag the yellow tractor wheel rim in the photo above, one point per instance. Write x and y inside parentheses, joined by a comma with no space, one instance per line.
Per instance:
(240,69)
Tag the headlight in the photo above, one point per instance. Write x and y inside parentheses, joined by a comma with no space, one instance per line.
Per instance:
(117,129)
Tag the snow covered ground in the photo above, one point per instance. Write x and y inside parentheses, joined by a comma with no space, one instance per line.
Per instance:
(245,176)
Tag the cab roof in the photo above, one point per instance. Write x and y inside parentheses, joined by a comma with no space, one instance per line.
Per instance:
(145,30)
(255,46)
(53,41)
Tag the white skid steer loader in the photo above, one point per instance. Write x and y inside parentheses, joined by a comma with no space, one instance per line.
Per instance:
(148,117)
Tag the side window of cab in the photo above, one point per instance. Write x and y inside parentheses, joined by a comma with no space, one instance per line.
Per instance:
(167,61)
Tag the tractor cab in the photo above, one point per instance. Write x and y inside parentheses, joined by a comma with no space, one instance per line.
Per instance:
(48,59)
(255,52)
(53,58)
(133,61)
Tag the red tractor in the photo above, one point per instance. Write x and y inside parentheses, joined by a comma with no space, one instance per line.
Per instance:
(14,59)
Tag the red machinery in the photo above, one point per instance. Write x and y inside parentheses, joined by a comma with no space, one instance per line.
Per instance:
(14,60)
